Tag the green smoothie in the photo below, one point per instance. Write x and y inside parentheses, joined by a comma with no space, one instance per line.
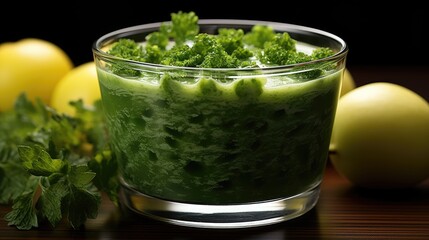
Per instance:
(228,118)
(214,143)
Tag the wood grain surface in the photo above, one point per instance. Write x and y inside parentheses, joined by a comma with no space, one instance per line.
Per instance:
(343,212)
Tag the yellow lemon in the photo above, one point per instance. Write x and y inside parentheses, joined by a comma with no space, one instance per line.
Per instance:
(348,83)
(380,137)
(80,83)
(33,66)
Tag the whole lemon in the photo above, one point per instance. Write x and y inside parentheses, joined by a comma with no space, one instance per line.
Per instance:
(33,66)
(348,83)
(380,137)
(80,83)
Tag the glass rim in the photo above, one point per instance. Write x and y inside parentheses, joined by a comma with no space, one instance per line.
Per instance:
(277,26)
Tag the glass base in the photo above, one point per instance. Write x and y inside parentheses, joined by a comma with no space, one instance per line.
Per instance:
(220,216)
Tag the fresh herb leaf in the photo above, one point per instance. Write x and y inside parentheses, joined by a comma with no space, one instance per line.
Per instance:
(47,169)
(105,166)
(23,214)
(88,203)
(13,180)
(38,162)
(81,176)
(230,48)
(184,26)
(51,199)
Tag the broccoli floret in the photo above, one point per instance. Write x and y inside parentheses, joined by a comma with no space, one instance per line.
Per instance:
(259,35)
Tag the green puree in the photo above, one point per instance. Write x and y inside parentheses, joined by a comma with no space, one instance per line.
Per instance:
(213,141)
(176,142)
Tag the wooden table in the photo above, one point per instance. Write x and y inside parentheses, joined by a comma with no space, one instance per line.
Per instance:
(343,211)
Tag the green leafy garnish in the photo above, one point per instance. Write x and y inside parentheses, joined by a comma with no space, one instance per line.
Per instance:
(184,26)
(259,35)
(54,166)
(230,48)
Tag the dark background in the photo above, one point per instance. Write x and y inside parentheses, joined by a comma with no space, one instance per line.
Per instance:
(389,35)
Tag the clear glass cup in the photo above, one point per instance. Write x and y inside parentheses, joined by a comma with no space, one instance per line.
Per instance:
(221,148)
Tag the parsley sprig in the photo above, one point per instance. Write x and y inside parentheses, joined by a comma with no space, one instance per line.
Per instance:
(54,166)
